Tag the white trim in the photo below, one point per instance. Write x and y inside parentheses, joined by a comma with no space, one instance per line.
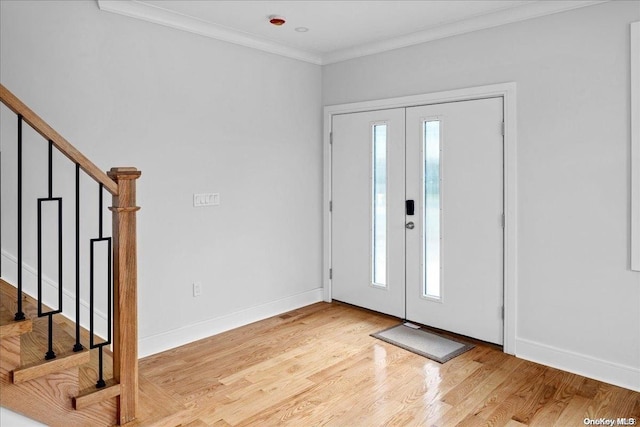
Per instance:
(168,18)
(481,22)
(30,287)
(326,204)
(158,15)
(13,419)
(167,340)
(635,146)
(508,92)
(581,364)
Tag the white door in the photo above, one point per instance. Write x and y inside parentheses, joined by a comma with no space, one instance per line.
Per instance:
(455,252)
(445,271)
(367,243)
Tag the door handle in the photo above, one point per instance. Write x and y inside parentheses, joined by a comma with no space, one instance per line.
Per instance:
(410,225)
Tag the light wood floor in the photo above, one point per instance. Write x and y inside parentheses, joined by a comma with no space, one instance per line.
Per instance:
(319,366)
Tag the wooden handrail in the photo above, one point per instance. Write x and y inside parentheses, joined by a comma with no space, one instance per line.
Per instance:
(48,133)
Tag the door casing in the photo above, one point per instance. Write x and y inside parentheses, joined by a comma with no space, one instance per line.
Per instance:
(508,92)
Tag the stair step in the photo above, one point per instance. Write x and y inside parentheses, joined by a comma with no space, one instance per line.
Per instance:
(8,295)
(49,401)
(92,395)
(45,367)
(34,345)
(10,327)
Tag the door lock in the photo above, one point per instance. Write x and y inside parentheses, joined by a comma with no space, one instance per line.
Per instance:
(409,207)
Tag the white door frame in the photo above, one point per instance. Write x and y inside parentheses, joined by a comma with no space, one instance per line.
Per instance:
(508,92)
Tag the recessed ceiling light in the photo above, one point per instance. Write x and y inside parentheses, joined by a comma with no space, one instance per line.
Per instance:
(302,29)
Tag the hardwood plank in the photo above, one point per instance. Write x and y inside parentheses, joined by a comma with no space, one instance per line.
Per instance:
(565,391)
(200,423)
(88,372)
(157,408)
(319,366)
(464,406)
(42,368)
(10,357)
(91,396)
(53,395)
(572,414)
(10,327)
(64,338)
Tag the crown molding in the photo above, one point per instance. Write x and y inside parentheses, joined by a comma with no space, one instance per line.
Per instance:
(480,22)
(149,13)
(146,12)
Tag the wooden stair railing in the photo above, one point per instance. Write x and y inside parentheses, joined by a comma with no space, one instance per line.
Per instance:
(120,183)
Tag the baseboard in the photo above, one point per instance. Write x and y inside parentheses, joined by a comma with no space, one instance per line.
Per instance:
(30,287)
(587,366)
(13,419)
(187,334)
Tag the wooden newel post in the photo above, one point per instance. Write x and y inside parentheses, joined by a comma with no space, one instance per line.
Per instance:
(125,290)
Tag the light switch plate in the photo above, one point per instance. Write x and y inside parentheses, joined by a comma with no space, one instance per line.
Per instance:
(206,199)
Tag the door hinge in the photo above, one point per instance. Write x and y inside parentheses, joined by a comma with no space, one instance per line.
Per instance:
(502,128)
(331,273)
(330,137)
(503,220)
(330,205)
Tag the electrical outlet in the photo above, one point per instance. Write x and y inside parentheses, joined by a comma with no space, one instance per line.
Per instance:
(197,289)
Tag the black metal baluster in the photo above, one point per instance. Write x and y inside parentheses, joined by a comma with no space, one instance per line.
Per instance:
(101,382)
(50,353)
(0,211)
(19,314)
(77,346)
(100,211)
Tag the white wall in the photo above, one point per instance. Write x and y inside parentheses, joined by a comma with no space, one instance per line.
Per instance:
(247,125)
(194,115)
(577,303)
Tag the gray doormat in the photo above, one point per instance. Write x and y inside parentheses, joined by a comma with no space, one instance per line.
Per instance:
(422,342)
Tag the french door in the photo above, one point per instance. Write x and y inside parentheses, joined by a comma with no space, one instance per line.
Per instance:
(417,218)
(368,240)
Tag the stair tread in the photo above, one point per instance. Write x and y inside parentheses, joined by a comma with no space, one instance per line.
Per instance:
(34,345)
(53,394)
(9,327)
(92,395)
(41,368)
(64,339)
(8,299)
(88,372)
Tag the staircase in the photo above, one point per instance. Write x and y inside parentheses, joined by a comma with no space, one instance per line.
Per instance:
(52,369)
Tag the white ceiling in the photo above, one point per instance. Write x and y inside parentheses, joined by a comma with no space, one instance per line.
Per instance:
(338,30)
